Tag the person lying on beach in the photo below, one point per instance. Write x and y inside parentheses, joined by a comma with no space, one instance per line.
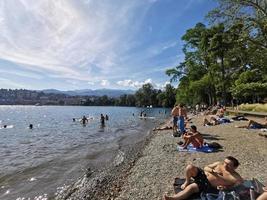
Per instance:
(162,128)
(215,121)
(194,137)
(219,175)
(255,125)
(263,196)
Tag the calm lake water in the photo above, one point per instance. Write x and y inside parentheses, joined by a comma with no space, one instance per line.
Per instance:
(35,163)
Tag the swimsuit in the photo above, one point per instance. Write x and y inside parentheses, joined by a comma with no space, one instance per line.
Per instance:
(256,126)
(181,124)
(175,120)
(203,183)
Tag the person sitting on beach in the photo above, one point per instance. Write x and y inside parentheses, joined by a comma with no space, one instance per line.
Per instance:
(194,137)
(263,196)
(220,112)
(255,125)
(175,115)
(219,175)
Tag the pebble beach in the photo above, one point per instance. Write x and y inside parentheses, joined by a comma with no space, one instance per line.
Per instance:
(154,172)
(150,170)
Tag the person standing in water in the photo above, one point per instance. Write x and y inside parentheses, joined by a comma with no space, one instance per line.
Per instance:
(102,119)
(84,120)
(107,117)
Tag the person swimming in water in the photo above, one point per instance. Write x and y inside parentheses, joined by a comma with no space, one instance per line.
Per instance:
(30,126)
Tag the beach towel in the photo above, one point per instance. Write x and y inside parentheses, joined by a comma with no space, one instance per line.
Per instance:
(222,195)
(190,148)
(223,120)
(239,118)
(177,188)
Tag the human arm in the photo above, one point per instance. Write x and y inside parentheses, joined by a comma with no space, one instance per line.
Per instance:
(210,168)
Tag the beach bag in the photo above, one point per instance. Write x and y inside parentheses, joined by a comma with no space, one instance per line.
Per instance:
(222,195)
(214,145)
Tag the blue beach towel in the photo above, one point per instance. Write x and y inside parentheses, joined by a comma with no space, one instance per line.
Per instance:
(190,148)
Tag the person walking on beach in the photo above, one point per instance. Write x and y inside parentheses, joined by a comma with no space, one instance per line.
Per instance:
(175,115)
(219,175)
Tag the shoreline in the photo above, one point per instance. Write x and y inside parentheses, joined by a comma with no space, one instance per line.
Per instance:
(154,172)
(108,182)
(154,163)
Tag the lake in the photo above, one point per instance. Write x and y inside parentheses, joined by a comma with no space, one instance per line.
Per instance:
(36,162)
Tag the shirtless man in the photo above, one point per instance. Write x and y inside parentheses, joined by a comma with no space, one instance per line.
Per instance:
(263,196)
(193,137)
(182,117)
(175,115)
(255,125)
(215,176)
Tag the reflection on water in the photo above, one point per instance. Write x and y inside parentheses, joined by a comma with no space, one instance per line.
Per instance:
(58,149)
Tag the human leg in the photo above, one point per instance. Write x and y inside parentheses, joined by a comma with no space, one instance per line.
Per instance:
(190,172)
(181,124)
(184,194)
(205,121)
(187,141)
(263,196)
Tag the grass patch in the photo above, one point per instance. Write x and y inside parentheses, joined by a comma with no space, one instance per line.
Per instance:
(256,107)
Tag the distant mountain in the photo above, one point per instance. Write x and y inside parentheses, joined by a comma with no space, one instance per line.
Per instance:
(89,92)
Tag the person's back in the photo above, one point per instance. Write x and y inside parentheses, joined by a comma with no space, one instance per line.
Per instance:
(198,140)
(182,116)
(175,111)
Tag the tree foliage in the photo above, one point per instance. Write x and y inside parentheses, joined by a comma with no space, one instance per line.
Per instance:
(226,59)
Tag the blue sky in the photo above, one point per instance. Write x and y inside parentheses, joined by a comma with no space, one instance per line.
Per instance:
(91,44)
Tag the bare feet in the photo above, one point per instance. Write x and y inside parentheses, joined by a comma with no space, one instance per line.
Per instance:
(184,185)
(166,197)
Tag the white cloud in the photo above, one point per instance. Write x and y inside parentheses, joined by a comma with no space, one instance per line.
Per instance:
(105,83)
(90,83)
(138,84)
(66,38)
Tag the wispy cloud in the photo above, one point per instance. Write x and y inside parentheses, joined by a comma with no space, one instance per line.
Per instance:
(87,42)
(66,38)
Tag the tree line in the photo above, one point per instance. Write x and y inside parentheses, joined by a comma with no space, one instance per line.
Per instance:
(147,95)
(227,60)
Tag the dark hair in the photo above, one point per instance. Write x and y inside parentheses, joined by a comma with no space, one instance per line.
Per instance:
(234,160)
(194,127)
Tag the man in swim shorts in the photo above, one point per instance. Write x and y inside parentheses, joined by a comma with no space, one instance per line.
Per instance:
(175,115)
(219,175)
(255,125)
